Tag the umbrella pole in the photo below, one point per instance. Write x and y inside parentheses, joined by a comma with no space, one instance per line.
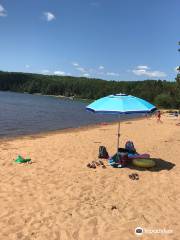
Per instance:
(118,135)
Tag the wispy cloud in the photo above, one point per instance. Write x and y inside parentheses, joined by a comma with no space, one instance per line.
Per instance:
(79,68)
(177,69)
(75,64)
(86,75)
(60,73)
(145,71)
(112,74)
(49,16)
(94,72)
(101,67)
(45,71)
(142,67)
(27,66)
(3,12)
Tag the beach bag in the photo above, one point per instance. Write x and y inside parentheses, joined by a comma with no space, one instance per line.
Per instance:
(119,160)
(129,146)
(123,159)
(103,152)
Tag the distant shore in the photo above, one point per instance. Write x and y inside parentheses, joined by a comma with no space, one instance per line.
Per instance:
(64,97)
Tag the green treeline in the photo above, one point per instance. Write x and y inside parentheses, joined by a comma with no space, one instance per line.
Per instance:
(162,93)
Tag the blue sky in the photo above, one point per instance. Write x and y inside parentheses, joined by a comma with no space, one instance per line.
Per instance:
(108,39)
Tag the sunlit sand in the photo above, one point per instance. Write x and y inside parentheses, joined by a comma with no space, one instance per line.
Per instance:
(58,197)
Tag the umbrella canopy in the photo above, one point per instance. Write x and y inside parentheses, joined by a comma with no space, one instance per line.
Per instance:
(125,106)
(121,104)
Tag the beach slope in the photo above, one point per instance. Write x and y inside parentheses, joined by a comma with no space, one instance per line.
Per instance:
(58,197)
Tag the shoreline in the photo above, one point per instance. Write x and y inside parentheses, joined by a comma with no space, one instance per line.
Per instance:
(67,130)
(56,132)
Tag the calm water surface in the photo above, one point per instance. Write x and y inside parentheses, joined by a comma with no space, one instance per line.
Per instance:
(22,114)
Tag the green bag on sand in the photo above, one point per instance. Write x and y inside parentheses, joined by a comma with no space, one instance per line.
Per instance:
(20,159)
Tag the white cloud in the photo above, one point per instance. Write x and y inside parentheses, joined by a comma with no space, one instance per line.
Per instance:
(59,73)
(142,67)
(3,12)
(49,16)
(176,69)
(27,66)
(112,74)
(143,71)
(88,71)
(81,69)
(101,67)
(86,75)
(75,64)
(45,71)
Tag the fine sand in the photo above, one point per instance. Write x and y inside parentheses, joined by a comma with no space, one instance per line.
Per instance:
(59,197)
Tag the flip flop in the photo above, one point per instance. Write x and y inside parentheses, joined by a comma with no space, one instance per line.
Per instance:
(98,164)
(132,177)
(93,165)
(136,176)
(89,165)
(101,162)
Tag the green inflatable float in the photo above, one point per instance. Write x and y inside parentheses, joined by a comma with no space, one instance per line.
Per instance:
(144,163)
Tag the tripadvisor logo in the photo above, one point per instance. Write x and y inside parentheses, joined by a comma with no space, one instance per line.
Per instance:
(139,231)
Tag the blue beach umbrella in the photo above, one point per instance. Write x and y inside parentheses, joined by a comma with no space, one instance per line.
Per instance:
(124,106)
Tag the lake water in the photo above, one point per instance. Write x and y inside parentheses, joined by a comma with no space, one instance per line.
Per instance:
(22,114)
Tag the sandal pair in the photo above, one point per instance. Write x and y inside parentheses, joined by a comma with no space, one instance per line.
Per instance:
(91,165)
(94,164)
(134,176)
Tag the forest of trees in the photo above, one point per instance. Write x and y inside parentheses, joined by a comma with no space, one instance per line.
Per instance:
(162,93)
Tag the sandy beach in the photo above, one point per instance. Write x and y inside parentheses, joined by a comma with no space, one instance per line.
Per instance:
(58,198)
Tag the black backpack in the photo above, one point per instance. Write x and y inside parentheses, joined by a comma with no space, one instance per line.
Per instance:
(129,146)
(103,152)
